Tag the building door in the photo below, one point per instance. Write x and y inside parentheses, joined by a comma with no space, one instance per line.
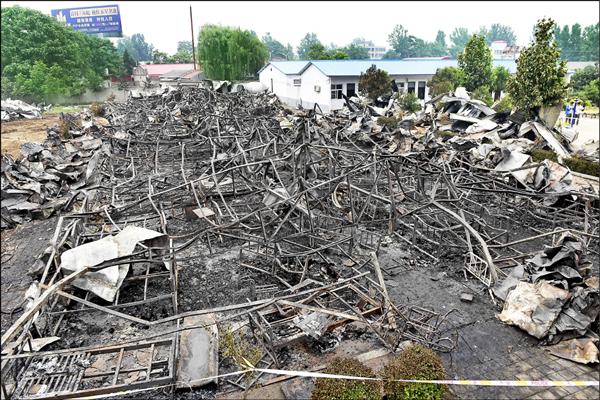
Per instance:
(350,89)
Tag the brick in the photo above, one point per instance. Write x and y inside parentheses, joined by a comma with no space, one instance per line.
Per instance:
(584,395)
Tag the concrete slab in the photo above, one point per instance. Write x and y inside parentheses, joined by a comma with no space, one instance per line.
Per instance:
(198,352)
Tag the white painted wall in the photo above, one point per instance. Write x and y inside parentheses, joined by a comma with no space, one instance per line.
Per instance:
(281,84)
(305,94)
(308,96)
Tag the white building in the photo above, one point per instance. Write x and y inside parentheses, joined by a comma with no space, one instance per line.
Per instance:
(322,82)
(376,52)
(502,51)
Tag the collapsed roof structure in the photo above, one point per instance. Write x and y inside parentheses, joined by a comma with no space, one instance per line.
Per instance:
(200,216)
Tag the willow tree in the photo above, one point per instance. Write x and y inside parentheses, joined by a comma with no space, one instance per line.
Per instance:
(230,53)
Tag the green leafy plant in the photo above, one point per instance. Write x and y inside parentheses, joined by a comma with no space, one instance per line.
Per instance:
(476,63)
(345,389)
(483,93)
(374,83)
(505,104)
(237,347)
(409,102)
(415,362)
(230,53)
(390,122)
(445,80)
(540,77)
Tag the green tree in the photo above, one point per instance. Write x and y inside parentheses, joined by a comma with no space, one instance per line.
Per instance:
(356,52)
(159,57)
(582,77)
(409,102)
(374,83)
(184,45)
(459,38)
(51,59)
(476,63)
(405,45)
(440,48)
(576,43)
(128,63)
(230,53)
(318,52)
(540,77)
(445,80)
(305,44)
(137,47)
(500,77)
(339,54)
(181,57)
(591,92)
(590,46)
(500,32)
(290,52)
(276,48)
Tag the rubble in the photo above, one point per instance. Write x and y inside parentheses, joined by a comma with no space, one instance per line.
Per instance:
(271,221)
(16,109)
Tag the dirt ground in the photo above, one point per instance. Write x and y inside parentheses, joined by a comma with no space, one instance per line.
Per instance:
(15,133)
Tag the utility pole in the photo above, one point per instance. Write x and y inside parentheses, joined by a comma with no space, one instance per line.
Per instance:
(193,47)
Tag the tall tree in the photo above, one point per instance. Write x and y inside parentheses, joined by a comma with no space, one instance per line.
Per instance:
(289,50)
(476,63)
(576,43)
(591,42)
(230,53)
(318,52)
(440,48)
(51,59)
(305,44)
(276,48)
(184,45)
(128,63)
(355,52)
(459,38)
(540,77)
(137,47)
(501,32)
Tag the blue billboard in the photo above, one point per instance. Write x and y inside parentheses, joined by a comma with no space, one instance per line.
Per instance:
(104,21)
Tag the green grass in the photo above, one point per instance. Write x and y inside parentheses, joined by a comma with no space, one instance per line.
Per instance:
(65,109)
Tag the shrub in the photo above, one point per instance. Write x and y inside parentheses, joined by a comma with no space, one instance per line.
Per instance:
(97,109)
(341,389)
(483,93)
(409,102)
(415,362)
(374,83)
(538,155)
(505,104)
(583,166)
(390,122)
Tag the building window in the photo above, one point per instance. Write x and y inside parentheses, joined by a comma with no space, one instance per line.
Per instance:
(336,91)
(350,89)
(411,87)
(400,86)
(297,82)
(421,93)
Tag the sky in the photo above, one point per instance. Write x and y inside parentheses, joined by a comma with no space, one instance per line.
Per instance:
(165,23)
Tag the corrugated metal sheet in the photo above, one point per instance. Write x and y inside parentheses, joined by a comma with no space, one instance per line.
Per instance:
(287,67)
(393,67)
